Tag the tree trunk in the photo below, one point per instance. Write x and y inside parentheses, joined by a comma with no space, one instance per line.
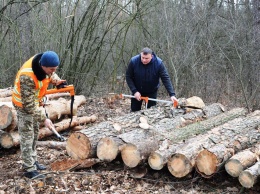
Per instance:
(158,158)
(139,144)
(108,148)
(250,176)
(182,161)
(180,134)
(226,138)
(242,160)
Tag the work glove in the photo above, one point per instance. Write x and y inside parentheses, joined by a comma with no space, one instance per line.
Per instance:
(174,100)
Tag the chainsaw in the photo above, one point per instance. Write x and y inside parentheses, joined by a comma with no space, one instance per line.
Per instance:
(146,99)
(59,89)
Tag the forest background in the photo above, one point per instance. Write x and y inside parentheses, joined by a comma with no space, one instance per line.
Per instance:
(210,47)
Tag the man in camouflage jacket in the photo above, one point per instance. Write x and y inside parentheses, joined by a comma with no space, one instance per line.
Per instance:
(30,85)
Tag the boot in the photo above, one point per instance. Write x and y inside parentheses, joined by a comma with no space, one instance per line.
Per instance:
(39,166)
(34,175)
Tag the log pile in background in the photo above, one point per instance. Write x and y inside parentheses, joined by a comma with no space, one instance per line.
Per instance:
(58,109)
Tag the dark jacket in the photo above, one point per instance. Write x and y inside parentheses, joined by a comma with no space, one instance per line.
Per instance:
(145,78)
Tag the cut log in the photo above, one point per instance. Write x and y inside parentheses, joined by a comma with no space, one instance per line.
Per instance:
(182,161)
(194,102)
(242,160)
(55,109)
(231,137)
(157,159)
(139,145)
(108,148)
(69,164)
(160,157)
(8,117)
(249,177)
(52,144)
(6,140)
(78,146)
(209,161)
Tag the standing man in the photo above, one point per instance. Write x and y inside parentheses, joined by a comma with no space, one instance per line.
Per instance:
(30,85)
(142,76)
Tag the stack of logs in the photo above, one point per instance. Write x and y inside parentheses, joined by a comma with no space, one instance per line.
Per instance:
(201,138)
(191,137)
(58,109)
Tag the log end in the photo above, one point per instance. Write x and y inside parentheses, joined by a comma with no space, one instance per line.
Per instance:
(130,155)
(206,163)
(107,149)
(179,165)
(6,140)
(78,146)
(246,179)
(155,161)
(233,167)
(6,116)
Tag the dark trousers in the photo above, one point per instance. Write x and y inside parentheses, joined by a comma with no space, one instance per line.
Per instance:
(137,105)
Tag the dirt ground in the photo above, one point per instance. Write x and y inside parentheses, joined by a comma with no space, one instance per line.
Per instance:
(107,178)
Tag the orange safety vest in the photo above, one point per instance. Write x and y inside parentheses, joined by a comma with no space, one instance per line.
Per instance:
(40,86)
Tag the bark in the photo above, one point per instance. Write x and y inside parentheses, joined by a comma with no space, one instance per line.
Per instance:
(249,177)
(6,140)
(233,136)
(69,164)
(181,134)
(242,160)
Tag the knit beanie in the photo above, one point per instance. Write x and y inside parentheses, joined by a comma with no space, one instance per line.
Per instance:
(49,59)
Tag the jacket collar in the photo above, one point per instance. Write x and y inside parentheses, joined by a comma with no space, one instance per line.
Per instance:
(36,67)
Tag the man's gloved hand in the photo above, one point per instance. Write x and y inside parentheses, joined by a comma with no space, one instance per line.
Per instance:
(48,123)
(174,100)
(137,96)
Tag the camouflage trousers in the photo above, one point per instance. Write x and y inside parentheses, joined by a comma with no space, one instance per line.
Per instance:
(28,128)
